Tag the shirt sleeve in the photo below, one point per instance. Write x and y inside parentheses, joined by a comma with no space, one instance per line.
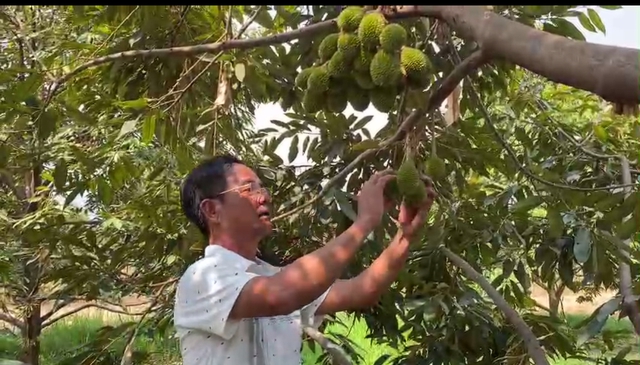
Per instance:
(205,297)
(308,315)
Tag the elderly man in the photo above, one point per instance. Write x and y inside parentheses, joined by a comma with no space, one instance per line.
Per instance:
(232,308)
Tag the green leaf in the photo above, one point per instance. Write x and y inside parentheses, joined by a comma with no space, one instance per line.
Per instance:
(344,204)
(134,104)
(586,23)
(598,319)
(566,28)
(293,149)
(527,204)
(596,20)
(149,128)
(365,145)
(611,7)
(582,245)
(127,127)
(556,225)
(60,174)
(240,71)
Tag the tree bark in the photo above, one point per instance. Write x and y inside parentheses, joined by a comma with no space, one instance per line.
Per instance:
(608,71)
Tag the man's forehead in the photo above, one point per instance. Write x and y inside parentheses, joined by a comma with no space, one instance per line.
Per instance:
(241,174)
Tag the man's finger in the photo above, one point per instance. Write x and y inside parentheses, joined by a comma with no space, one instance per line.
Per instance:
(383,180)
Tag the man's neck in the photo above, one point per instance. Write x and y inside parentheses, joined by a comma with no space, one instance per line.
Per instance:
(243,247)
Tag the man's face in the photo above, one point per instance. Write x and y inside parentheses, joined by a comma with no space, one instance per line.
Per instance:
(246,204)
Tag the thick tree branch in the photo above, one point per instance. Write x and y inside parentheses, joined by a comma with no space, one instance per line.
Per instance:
(8,318)
(629,304)
(608,71)
(534,349)
(438,93)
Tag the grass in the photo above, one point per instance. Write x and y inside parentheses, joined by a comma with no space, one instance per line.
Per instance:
(65,337)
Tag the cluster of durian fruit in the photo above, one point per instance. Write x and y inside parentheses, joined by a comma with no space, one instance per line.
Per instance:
(366,62)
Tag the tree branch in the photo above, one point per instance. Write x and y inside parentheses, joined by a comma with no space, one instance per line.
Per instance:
(531,341)
(8,318)
(82,307)
(437,94)
(624,270)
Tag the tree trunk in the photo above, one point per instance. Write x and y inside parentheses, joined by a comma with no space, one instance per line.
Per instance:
(31,336)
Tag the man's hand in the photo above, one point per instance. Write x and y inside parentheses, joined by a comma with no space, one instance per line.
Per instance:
(412,218)
(371,201)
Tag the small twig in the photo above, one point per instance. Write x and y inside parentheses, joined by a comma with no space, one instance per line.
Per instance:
(104,43)
(337,353)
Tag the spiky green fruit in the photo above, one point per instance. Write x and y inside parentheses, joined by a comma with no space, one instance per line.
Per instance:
(336,101)
(392,191)
(385,69)
(318,80)
(303,77)
(409,183)
(393,37)
(370,29)
(349,44)
(328,46)
(358,98)
(415,65)
(383,99)
(338,65)
(363,79)
(350,18)
(435,168)
(313,102)
(362,62)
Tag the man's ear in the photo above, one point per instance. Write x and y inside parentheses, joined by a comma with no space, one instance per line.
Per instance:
(210,211)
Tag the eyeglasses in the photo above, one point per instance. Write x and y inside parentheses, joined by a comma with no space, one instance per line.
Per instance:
(250,190)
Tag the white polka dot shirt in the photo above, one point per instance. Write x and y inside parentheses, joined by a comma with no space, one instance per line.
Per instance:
(206,293)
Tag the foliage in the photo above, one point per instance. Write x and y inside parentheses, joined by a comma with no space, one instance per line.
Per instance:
(92,172)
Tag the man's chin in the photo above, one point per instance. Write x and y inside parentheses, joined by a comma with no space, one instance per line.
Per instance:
(266,225)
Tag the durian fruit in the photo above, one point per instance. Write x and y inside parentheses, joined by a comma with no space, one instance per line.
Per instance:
(393,37)
(338,65)
(435,168)
(385,69)
(303,76)
(336,100)
(350,18)
(415,65)
(362,62)
(318,80)
(370,29)
(383,99)
(313,101)
(328,47)
(409,183)
(349,44)
(363,79)
(358,98)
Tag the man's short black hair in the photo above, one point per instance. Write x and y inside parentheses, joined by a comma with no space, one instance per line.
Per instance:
(205,181)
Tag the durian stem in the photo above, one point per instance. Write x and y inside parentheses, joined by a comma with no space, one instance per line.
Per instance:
(434,152)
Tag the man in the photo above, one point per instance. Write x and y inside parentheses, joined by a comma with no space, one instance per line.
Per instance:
(232,308)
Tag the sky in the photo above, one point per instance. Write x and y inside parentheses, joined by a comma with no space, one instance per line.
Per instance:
(622,29)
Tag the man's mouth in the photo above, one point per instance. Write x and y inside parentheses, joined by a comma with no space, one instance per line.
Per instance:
(264,215)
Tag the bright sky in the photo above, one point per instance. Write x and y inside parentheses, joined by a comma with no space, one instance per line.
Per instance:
(622,27)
